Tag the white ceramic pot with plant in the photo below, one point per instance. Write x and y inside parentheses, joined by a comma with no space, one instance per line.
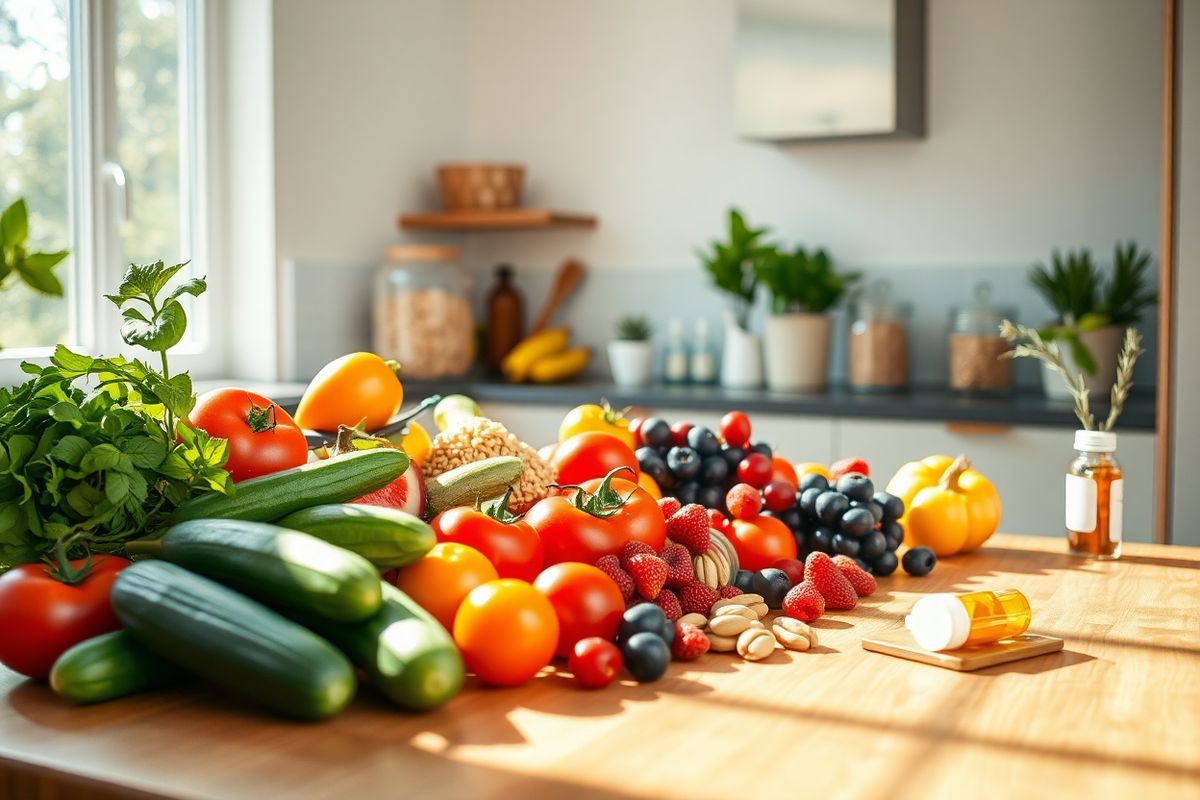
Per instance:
(631,355)
(730,265)
(803,288)
(1092,316)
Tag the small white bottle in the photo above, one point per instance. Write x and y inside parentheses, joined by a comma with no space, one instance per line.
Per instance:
(704,358)
(675,360)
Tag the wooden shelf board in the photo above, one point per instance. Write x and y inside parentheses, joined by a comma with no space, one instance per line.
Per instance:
(503,219)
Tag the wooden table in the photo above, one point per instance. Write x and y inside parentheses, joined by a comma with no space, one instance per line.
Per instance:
(1116,714)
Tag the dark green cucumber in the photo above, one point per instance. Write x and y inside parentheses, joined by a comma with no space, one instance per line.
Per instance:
(269,497)
(109,666)
(232,641)
(278,566)
(387,537)
(406,653)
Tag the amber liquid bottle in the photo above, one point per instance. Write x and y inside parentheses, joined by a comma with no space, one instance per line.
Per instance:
(1095,497)
(505,317)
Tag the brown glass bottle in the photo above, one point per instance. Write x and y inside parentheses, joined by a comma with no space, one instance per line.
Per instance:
(505,317)
(1095,497)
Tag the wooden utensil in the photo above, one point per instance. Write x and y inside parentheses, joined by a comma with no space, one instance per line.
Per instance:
(570,274)
(901,645)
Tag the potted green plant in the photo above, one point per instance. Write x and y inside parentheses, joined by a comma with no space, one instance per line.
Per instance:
(731,266)
(630,355)
(1091,314)
(803,287)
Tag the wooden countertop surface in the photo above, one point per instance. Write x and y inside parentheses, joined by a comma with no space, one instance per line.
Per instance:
(1116,714)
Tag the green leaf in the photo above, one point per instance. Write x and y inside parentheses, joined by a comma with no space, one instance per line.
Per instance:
(144,453)
(70,450)
(14,224)
(41,280)
(73,362)
(66,412)
(45,261)
(99,458)
(176,394)
(160,334)
(174,466)
(116,487)
(144,280)
(193,286)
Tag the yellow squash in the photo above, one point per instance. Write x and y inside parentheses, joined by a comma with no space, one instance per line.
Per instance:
(949,507)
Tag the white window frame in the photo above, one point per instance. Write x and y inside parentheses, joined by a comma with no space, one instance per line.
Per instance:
(96,200)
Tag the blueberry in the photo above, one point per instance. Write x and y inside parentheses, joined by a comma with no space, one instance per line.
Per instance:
(643,618)
(830,506)
(870,505)
(857,522)
(761,447)
(856,486)
(893,532)
(807,502)
(683,462)
(893,507)
(872,546)
(703,441)
(713,470)
(844,545)
(813,480)
(656,432)
(711,496)
(822,539)
(803,548)
(686,492)
(885,565)
(866,567)
(743,580)
(919,561)
(651,463)
(733,456)
(772,584)
(646,656)
(790,517)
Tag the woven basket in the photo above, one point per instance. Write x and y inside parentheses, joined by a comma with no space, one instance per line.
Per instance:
(480,186)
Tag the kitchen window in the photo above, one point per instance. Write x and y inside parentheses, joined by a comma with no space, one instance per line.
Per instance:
(101,111)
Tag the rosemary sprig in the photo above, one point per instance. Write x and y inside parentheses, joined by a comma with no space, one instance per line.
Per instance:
(1130,350)
(1028,343)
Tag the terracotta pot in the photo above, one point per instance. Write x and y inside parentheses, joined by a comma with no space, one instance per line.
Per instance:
(1105,346)
(797,352)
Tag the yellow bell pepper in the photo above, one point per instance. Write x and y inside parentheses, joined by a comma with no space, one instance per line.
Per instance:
(949,507)
(602,418)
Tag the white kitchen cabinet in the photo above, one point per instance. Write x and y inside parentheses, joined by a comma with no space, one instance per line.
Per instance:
(1027,465)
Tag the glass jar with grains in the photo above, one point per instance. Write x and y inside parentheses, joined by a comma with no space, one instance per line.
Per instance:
(976,348)
(879,340)
(423,313)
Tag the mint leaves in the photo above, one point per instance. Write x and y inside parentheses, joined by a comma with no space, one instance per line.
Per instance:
(35,269)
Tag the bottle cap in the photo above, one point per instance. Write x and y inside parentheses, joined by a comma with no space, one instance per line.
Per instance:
(939,622)
(1096,441)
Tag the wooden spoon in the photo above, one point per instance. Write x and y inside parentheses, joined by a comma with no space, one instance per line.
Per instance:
(570,275)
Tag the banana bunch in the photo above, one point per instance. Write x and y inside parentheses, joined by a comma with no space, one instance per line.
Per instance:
(545,357)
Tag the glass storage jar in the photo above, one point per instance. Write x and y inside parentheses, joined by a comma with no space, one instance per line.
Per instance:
(423,315)
(879,340)
(976,347)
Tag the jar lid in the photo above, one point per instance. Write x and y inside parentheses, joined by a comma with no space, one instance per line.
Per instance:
(1096,441)
(939,622)
(422,253)
(981,316)
(876,302)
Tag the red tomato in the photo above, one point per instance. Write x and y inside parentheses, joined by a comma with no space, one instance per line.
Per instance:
(847,465)
(679,433)
(595,662)
(439,580)
(640,518)
(782,470)
(755,469)
(41,616)
(571,534)
(635,427)
(586,602)
(591,455)
(779,496)
(514,548)
(761,541)
(735,429)
(507,632)
(262,436)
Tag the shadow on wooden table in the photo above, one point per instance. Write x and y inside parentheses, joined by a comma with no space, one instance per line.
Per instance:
(1036,665)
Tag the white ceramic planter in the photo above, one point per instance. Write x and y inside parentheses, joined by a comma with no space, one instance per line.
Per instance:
(797,352)
(631,362)
(741,357)
(1105,346)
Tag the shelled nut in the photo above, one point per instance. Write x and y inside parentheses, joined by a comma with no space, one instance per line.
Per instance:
(755,644)
(747,600)
(721,644)
(794,634)
(759,608)
(728,624)
(734,610)
(699,620)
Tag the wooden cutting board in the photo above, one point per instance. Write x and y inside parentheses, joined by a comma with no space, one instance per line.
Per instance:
(900,643)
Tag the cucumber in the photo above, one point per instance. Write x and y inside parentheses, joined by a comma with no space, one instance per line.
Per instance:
(109,666)
(270,497)
(278,566)
(232,641)
(407,654)
(387,537)
(463,486)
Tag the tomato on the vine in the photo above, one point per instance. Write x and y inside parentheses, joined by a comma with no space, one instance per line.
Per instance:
(601,418)
(510,543)
(583,526)
(639,515)
(262,437)
(586,601)
(591,455)
(44,610)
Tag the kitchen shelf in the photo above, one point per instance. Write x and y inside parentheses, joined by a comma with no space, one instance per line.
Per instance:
(497,220)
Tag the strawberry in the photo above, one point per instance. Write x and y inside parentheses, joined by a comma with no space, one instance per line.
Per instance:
(718,520)
(689,527)
(743,501)
(804,602)
(847,465)
(690,642)
(669,603)
(729,591)
(679,565)
(696,598)
(649,573)
(826,578)
(611,567)
(862,581)
(632,548)
(669,505)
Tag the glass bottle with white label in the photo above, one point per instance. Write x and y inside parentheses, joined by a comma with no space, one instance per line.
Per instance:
(1095,497)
